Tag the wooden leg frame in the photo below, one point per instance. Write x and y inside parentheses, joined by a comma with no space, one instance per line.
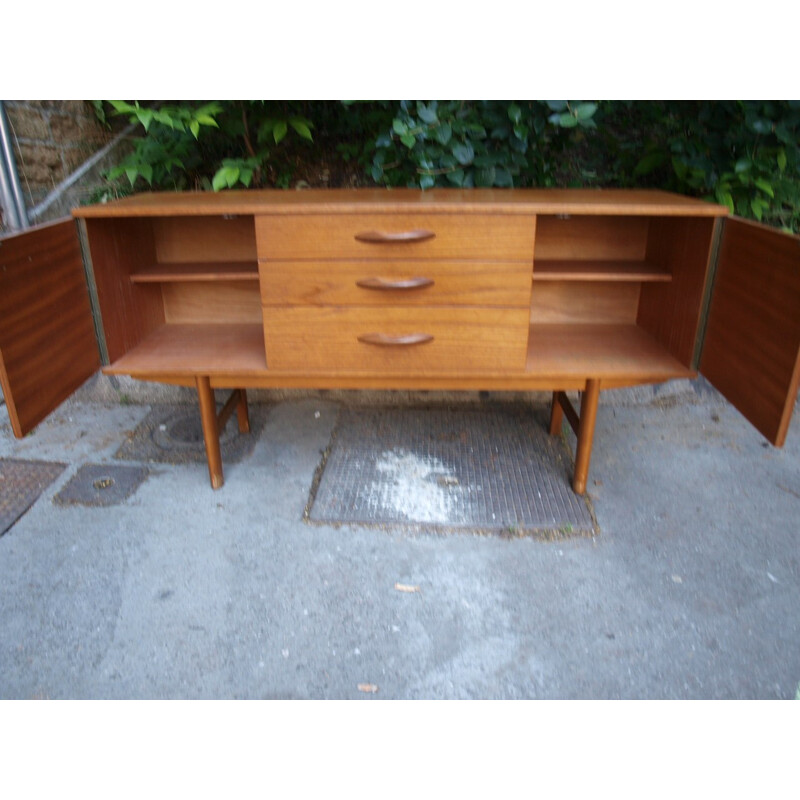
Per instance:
(582,425)
(213,423)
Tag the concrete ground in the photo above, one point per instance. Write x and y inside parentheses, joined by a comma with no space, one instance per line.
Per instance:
(691,589)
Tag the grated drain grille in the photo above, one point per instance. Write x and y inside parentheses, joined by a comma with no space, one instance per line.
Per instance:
(488,469)
(21,483)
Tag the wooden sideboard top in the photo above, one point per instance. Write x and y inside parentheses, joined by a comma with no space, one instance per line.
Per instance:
(634,202)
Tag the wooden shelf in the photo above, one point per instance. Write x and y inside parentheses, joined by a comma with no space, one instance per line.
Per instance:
(598,271)
(196,349)
(614,352)
(182,273)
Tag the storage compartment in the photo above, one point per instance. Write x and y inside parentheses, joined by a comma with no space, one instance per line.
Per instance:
(153,274)
(643,276)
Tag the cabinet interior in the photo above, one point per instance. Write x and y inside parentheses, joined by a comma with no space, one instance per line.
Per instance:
(609,294)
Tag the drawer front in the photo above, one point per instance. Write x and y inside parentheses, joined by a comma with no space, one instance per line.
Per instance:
(396,236)
(410,341)
(386,283)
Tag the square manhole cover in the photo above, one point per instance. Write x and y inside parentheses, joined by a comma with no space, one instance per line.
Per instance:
(101,485)
(488,469)
(21,483)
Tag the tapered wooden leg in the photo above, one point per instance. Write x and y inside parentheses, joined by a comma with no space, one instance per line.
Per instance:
(556,416)
(242,413)
(208,417)
(588,418)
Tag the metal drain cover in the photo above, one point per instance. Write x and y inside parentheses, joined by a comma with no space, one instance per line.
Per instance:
(101,485)
(174,435)
(21,483)
(495,469)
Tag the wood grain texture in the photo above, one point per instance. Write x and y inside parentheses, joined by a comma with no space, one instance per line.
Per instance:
(561,302)
(751,352)
(587,238)
(198,272)
(174,351)
(454,283)
(119,248)
(211,302)
(614,352)
(457,236)
(639,202)
(465,340)
(204,239)
(47,340)
(671,312)
(616,271)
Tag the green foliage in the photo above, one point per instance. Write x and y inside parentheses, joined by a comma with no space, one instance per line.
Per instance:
(172,155)
(477,143)
(743,154)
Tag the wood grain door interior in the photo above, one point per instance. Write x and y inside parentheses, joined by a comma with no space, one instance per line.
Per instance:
(751,351)
(48,346)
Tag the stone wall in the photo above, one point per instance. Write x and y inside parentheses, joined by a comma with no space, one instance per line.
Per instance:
(51,139)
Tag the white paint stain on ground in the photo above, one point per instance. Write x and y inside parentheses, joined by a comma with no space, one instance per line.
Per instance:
(416,488)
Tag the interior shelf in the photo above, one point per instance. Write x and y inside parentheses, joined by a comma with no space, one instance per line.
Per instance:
(215,271)
(192,349)
(621,352)
(569,270)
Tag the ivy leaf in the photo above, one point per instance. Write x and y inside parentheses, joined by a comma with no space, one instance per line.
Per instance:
(724,197)
(585,111)
(408,140)
(782,160)
(194,127)
(205,119)
(485,176)
(280,130)
(302,126)
(742,165)
(426,114)
(514,113)
(567,120)
(132,173)
(456,177)
(764,186)
(146,171)
(426,181)
(758,210)
(400,128)
(503,178)
(557,105)
(443,133)
(464,153)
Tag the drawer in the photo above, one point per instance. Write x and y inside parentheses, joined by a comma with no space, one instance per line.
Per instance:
(490,237)
(409,341)
(385,283)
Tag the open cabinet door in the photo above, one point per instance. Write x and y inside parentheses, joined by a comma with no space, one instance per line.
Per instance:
(751,351)
(48,346)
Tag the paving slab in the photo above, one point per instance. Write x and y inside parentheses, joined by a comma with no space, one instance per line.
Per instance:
(689,588)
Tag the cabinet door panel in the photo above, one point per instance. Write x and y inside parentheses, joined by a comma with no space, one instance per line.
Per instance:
(751,351)
(48,346)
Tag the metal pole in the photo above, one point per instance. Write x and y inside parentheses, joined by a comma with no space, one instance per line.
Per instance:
(12,197)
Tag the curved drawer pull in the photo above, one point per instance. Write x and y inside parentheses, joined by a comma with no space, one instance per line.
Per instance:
(388,340)
(387,237)
(389,284)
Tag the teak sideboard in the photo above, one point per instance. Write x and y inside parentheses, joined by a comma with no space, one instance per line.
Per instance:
(478,289)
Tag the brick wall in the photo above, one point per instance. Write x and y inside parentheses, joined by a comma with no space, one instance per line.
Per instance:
(51,139)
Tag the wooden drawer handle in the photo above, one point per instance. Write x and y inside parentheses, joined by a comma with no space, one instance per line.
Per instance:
(386,237)
(389,285)
(387,340)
